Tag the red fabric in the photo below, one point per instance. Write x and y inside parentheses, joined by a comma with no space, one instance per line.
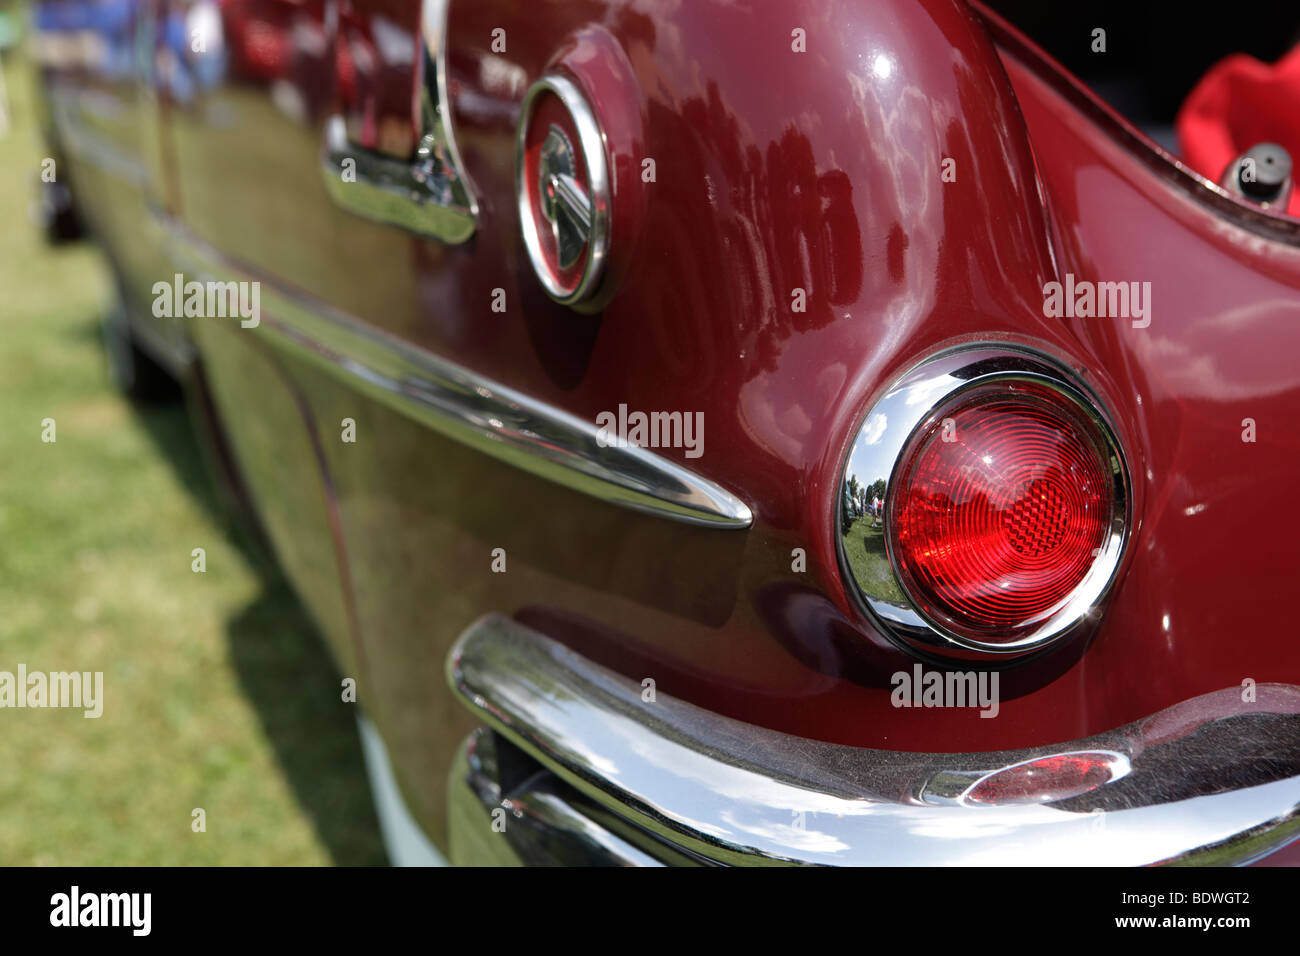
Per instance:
(1238,103)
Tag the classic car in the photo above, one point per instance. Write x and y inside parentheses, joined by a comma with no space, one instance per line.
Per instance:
(734,431)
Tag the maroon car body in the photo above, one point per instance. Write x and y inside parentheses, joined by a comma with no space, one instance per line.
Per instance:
(775,168)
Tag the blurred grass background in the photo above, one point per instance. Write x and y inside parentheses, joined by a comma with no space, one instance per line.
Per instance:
(218,692)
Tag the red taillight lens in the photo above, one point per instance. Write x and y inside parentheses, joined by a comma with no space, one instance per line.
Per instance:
(998,510)
(1049,778)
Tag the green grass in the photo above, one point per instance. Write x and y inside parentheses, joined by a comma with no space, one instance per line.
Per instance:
(218,692)
(865,550)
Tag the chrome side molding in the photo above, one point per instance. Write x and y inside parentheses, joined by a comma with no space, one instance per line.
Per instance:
(466,407)
(430,195)
(1181,786)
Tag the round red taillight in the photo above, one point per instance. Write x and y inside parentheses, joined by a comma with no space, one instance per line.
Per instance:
(999,509)
(984,506)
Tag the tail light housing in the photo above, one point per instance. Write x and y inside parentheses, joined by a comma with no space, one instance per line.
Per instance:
(984,506)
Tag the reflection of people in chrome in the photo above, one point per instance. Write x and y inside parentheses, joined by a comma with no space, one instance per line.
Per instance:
(875,511)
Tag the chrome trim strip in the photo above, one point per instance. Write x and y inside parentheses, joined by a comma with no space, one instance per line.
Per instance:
(1195,790)
(435,101)
(596,201)
(464,406)
(431,195)
(885,433)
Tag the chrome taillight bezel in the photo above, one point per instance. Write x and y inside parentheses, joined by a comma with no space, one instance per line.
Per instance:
(882,440)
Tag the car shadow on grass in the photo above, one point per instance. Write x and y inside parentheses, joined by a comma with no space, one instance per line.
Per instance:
(283,666)
(286,672)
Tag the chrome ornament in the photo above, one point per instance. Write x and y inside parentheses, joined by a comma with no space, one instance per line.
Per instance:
(558,208)
(565,204)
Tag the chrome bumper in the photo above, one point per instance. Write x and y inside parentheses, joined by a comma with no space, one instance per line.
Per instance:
(575,768)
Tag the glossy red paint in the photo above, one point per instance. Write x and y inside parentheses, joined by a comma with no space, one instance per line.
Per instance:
(1206,598)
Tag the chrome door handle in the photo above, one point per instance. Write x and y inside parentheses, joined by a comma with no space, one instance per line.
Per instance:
(429,195)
